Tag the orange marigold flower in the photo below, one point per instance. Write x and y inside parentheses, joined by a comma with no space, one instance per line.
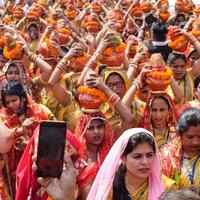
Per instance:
(13,53)
(93,92)
(108,51)
(120,48)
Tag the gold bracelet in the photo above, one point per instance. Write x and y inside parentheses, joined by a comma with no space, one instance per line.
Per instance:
(60,67)
(33,58)
(63,63)
(95,55)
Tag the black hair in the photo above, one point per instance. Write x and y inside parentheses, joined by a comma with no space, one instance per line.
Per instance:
(33,25)
(175,56)
(189,117)
(179,195)
(13,88)
(1,51)
(159,31)
(120,191)
(163,98)
(196,82)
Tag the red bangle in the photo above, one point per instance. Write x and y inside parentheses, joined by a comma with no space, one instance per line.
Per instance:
(114,99)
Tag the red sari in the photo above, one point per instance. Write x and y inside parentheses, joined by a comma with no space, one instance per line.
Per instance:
(171,120)
(12,120)
(27,184)
(91,170)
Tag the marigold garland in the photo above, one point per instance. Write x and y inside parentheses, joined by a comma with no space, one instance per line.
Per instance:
(13,53)
(159,79)
(7,20)
(118,49)
(53,51)
(78,63)
(91,23)
(64,31)
(93,92)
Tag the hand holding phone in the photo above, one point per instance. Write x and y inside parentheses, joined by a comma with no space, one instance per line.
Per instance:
(65,187)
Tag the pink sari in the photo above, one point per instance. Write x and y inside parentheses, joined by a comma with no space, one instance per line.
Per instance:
(103,182)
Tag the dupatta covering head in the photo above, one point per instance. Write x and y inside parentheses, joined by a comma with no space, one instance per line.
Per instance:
(120,72)
(173,115)
(83,123)
(104,179)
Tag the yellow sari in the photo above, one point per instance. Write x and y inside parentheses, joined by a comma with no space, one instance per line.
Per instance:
(178,168)
(142,192)
(70,111)
(186,170)
(137,106)
(186,85)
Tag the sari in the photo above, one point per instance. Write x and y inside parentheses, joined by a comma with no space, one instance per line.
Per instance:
(176,167)
(137,105)
(69,111)
(171,121)
(27,184)
(186,85)
(102,185)
(82,124)
(11,120)
(25,79)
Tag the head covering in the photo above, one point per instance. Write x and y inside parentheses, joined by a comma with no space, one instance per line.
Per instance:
(25,79)
(120,72)
(104,179)
(83,123)
(173,115)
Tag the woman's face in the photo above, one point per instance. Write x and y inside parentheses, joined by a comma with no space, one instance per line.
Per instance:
(14,103)
(33,32)
(197,92)
(178,69)
(159,113)
(116,84)
(139,162)
(94,133)
(12,74)
(191,140)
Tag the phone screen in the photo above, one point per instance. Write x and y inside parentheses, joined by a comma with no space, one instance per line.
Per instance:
(51,148)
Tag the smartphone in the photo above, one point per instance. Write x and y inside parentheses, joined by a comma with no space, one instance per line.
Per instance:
(51,148)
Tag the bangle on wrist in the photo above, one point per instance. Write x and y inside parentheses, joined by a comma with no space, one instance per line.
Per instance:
(33,57)
(60,66)
(136,84)
(95,55)
(133,65)
(114,99)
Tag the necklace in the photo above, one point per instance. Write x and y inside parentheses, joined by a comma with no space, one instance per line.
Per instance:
(161,138)
(140,193)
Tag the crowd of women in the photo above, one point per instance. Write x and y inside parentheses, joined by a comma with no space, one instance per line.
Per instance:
(125,77)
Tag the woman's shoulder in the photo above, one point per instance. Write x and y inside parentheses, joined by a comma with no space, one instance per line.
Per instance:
(168,183)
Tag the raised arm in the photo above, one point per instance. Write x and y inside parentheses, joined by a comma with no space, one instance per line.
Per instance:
(92,80)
